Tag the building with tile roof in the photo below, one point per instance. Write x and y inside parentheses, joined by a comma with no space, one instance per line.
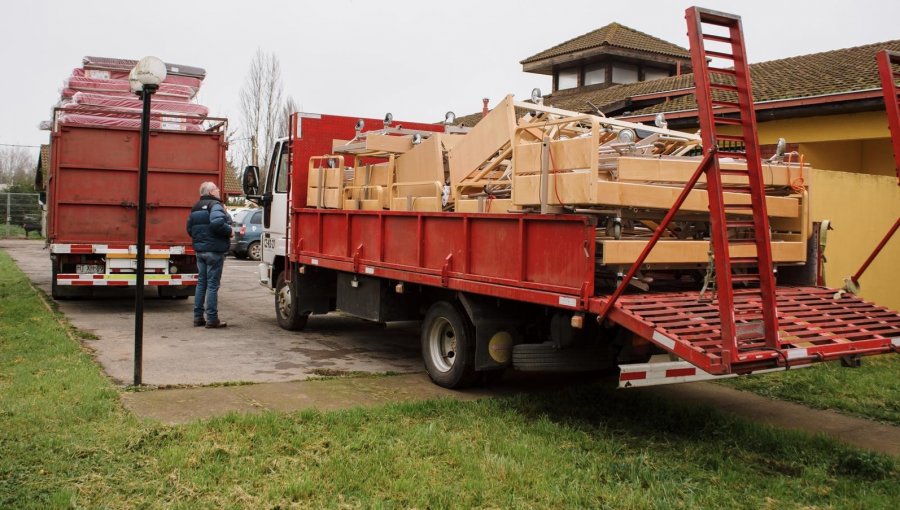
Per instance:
(613,54)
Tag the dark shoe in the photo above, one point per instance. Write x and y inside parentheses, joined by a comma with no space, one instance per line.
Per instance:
(199,322)
(216,324)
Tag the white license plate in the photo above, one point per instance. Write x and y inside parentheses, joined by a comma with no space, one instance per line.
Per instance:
(88,268)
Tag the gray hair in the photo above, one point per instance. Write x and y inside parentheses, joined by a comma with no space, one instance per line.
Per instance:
(207,187)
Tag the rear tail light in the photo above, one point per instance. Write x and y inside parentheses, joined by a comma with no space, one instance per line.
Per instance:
(243,229)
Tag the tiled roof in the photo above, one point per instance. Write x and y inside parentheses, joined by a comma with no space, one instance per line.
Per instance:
(232,183)
(818,74)
(617,35)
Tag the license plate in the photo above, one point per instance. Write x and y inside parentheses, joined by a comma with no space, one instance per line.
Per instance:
(88,268)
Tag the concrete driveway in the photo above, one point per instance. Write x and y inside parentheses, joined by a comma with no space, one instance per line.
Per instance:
(251,349)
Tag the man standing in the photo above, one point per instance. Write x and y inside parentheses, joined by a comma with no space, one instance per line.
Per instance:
(209,226)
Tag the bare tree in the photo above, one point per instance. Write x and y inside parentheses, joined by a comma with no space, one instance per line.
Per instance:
(261,104)
(289,107)
(17,167)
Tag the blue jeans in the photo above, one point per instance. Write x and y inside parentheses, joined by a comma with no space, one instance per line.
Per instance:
(209,274)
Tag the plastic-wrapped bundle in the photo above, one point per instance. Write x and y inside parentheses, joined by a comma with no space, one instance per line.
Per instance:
(166,91)
(99,94)
(106,74)
(84,119)
(132,105)
(122,64)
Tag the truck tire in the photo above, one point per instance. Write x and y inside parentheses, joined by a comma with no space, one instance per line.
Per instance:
(286,311)
(254,251)
(448,346)
(546,357)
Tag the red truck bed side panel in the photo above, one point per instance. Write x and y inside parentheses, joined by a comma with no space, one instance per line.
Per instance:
(94,183)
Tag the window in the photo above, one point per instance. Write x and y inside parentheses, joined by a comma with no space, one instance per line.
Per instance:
(567,79)
(594,74)
(655,73)
(624,73)
(281,185)
(257,218)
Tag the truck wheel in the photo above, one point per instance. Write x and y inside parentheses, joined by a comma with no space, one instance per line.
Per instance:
(254,251)
(448,346)
(286,312)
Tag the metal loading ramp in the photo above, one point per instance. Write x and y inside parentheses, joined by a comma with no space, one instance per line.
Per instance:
(815,324)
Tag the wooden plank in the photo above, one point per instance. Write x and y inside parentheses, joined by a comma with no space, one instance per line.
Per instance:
(332,198)
(496,206)
(422,204)
(692,252)
(678,170)
(424,162)
(388,143)
(573,189)
(333,177)
(484,140)
(566,155)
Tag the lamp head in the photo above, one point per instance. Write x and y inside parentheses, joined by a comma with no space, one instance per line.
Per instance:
(536,96)
(388,119)
(148,71)
(449,118)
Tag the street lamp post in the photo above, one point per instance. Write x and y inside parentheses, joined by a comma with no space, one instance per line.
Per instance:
(145,79)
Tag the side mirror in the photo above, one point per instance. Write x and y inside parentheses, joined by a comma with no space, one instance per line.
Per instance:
(250,181)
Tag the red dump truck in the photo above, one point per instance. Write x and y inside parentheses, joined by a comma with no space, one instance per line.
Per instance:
(537,280)
(92,186)
(92,195)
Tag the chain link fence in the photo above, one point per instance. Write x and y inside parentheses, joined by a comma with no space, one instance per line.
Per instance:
(21,216)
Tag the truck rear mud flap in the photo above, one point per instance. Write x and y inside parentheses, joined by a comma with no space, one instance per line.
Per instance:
(815,324)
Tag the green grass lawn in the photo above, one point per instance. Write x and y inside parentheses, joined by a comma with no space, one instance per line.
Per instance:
(16,232)
(870,391)
(66,441)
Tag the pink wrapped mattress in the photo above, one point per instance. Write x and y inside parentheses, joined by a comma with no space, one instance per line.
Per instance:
(99,94)
(105,74)
(167,91)
(82,119)
(134,105)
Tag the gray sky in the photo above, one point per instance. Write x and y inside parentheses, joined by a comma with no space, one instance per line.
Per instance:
(416,59)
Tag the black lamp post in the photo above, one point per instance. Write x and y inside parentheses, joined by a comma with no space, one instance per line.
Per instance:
(145,79)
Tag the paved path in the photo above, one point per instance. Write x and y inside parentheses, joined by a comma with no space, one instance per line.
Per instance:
(251,349)
(182,405)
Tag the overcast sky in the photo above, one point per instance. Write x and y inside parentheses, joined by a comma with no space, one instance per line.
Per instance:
(416,59)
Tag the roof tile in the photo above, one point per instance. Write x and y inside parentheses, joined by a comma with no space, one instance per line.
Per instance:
(614,34)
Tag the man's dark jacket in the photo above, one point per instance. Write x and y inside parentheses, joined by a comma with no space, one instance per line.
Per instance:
(208,225)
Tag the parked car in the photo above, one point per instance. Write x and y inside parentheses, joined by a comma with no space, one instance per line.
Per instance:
(247,232)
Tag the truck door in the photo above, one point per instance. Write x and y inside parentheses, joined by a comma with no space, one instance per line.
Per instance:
(275,212)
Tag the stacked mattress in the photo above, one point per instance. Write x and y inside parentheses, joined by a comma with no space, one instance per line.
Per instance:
(98,94)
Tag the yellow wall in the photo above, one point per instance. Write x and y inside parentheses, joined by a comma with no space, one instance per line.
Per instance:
(825,128)
(861,208)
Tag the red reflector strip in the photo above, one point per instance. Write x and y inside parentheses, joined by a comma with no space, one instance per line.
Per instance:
(632,376)
(81,249)
(681,372)
(117,283)
(67,277)
(82,282)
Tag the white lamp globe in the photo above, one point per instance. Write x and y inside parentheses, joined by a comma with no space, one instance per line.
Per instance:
(136,86)
(149,71)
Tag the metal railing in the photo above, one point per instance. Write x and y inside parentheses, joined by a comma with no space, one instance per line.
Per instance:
(21,215)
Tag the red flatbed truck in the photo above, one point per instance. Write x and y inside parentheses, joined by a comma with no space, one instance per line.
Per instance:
(520,291)
(92,195)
